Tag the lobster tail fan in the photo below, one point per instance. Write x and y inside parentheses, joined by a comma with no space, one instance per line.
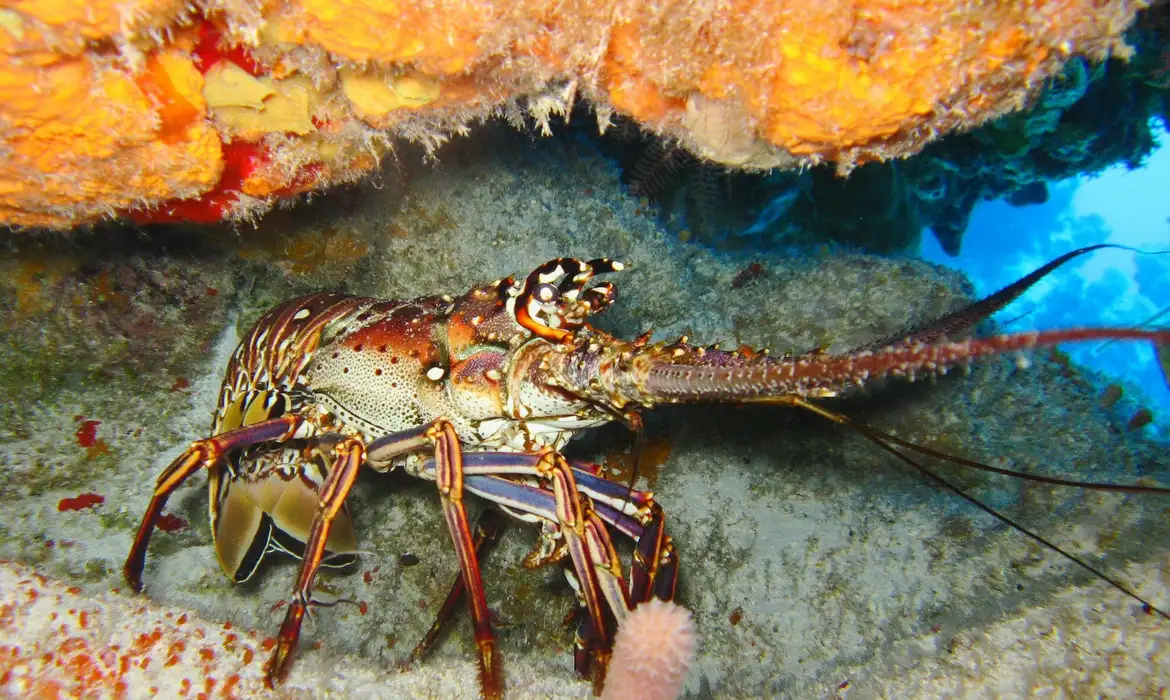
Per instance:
(257,515)
(241,530)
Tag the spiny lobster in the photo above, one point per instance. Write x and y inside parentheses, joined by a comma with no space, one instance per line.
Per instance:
(479,394)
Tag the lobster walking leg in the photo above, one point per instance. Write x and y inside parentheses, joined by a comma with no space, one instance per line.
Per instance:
(351,454)
(581,504)
(654,564)
(633,513)
(654,572)
(491,523)
(449,478)
(588,541)
(202,454)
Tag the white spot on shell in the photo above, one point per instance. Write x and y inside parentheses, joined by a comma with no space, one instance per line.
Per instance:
(435,374)
(301,315)
(552,276)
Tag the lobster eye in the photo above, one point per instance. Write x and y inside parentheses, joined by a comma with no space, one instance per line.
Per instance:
(545,293)
(553,301)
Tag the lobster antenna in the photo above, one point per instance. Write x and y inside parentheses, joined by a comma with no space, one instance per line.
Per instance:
(1143,324)
(877,438)
(1090,485)
(977,311)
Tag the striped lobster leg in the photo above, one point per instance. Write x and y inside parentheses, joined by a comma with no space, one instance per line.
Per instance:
(202,454)
(596,572)
(439,435)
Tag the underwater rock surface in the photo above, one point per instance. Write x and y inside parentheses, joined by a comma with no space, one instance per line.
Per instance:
(815,564)
(1088,118)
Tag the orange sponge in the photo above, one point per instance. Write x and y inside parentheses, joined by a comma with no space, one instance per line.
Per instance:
(115,106)
(84,139)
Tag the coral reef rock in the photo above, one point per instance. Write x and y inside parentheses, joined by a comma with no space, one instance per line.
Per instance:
(809,558)
(171,110)
(1088,117)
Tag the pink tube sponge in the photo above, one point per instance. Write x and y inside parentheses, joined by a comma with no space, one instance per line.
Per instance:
(652,653)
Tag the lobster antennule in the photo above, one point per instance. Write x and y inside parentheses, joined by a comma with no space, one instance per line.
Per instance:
(684,373)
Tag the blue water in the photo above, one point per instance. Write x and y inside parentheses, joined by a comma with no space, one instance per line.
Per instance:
(1109,287)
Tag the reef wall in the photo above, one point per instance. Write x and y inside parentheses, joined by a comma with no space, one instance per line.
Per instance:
(814,563)
(1088,117)
(169,110)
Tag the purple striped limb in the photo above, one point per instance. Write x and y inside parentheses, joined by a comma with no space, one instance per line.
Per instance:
(487,530)
(351,454)
(583,505)
(633,513)
(202,454)
(450,480)
(448,473)
(446,467)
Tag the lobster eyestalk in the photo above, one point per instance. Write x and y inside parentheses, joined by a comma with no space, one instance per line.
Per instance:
(620,373)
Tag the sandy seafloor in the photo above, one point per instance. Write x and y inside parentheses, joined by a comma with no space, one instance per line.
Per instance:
(815,565)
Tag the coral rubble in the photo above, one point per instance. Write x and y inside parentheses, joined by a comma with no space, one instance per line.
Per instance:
(198,111)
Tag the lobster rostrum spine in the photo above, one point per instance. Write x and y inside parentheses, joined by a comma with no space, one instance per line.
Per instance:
(478,394)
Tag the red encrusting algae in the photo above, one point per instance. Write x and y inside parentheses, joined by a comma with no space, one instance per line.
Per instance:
(211,50)
(87,433)
(170,523)
(80,502)
(240,160)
